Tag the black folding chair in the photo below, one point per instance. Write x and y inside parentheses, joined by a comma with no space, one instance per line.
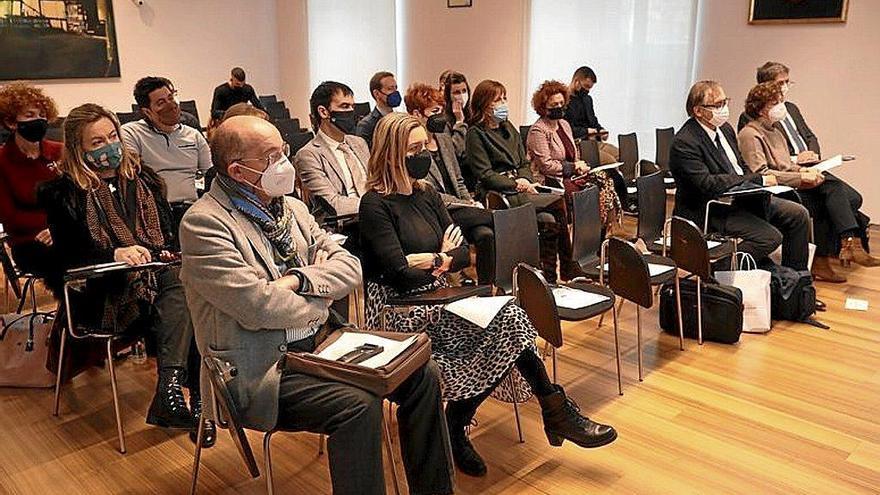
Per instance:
(691,253)
(524,135)
(361,110)
(126,117)
(189,106)
(664,138)
(590,152)
(277,110)
(516,241)
(297,140)
(586,236)
(266,99)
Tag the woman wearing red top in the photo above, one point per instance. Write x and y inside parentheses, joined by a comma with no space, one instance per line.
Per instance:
(26,160)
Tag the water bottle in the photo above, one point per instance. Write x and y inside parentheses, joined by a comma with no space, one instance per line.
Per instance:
(139,352)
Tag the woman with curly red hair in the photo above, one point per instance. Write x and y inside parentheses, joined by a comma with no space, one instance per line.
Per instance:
(26,160)
(555,156)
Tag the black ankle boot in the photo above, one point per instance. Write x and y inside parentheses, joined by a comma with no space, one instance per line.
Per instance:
(465,456)
(209,436)
(563,421)
(168,409)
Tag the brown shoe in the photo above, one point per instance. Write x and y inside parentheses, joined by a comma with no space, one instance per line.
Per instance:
(822,271)
(852,251)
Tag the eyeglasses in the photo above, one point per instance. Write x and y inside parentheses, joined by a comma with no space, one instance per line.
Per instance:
(787,82)
(271,157)
(718,105)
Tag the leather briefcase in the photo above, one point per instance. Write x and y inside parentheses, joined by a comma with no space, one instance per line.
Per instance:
(380,381)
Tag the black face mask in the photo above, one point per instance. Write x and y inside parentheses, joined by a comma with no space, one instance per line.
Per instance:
(344,121)
(555,113)
(437,123)
(418,165)
(32,130)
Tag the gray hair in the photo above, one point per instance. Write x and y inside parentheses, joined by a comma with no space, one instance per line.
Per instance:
(770,70)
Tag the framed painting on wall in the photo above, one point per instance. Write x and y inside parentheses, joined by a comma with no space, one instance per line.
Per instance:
(57,39)
(454,4)
(797,11)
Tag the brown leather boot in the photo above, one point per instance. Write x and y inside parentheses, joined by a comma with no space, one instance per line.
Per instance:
(822,271)
(852,251)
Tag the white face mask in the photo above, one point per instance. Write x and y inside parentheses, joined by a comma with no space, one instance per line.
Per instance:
(719,115)
(463,98)
(278,179)
(777,112)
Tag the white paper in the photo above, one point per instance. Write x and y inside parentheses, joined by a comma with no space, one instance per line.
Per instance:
(605,167)
(826,165)
(349,341)
(631,190)
(478,310)
(668,180)
(338,238)
(567,297)
(778,189)
(769,189)
(856,304)
(654,269)
(709,244)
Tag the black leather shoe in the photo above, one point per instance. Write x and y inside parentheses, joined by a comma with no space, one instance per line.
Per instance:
(168,409)
(563,421)
(466,458)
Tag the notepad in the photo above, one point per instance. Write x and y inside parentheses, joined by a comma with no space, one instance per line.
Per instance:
(349,341)
(654,269)
(826,165)
(569,298)
(709,244)
(478,310)
(598,169)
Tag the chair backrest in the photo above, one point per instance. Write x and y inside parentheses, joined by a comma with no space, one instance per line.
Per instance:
(126,117)
(524,134)
(586,227)
(287,127)
(135,107)
(628,145)
(628,274)
(55,132)
(496,201)
(277,110)
(189,106)
(9,270)
(688,248)
(536,299)
(220,373)
(361,110)
(297,140)
(664,144)
(651,193)
(590,152)
(516,241)
(266,99)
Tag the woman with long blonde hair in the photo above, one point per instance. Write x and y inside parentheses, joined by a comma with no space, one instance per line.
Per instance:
(409,243)
(108,207)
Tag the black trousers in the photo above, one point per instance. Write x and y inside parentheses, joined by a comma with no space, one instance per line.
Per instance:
(834,206)
(353,417)
(39,260)
(478,228)
(785,222)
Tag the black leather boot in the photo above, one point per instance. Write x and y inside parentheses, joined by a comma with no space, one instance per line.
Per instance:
(465,456)
(209,437)
(563,421)
(168,409)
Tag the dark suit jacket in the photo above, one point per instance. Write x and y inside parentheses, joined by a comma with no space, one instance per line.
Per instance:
(493,160)
(367,125)
(581,114)
(700,175)
(446,147)
(799,122)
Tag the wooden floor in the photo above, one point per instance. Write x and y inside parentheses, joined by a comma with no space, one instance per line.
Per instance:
(793,411)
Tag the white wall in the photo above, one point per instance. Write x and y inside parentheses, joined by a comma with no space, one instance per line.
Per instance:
(193,42)
(836,68)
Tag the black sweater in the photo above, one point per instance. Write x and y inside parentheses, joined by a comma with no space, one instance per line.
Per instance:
(581,114)
(396,225)
(225,97)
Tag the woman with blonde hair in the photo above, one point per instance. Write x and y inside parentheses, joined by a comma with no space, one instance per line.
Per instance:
(409,243)
(108,207)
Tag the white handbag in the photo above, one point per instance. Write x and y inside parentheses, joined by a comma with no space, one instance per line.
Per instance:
(755,287)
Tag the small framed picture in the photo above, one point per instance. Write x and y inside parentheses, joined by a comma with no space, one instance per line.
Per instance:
(797,11)
(454,4)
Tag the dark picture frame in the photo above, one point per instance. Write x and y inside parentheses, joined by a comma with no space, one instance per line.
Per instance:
(797,11)
(53,39)
(457,4)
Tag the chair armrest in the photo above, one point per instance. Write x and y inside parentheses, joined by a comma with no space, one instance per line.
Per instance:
(442,296)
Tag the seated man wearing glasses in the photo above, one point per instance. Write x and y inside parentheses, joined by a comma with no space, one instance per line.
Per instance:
(706,162)
(175,151)
(260,276)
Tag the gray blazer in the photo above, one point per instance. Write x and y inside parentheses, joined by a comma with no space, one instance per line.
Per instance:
(239,315)
(446,146)
(320,173)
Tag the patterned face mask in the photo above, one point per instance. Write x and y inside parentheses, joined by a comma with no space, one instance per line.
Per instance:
(106,157)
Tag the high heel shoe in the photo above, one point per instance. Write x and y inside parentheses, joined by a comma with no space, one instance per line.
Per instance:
(852,251)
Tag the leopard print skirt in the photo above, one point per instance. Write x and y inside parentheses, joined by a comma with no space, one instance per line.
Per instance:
(471,359)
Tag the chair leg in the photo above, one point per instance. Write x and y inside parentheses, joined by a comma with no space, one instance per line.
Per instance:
(678,310)
(60,368)
(267,459)
(617,351)
(25,291)
(639,337)
(515,408)
(197,456)
(554,364)
(602,317)
(115,396)
(387,437)
(699,311)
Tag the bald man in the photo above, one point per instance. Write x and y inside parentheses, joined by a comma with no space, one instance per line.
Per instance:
(255,294)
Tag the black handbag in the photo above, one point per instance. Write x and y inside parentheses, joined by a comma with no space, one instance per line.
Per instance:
(793,296)
(722,311)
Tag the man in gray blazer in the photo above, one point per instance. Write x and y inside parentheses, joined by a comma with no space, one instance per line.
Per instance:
(333,165)
(260,276)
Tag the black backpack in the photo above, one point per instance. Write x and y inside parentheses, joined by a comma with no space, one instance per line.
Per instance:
(792,295)
(722,310)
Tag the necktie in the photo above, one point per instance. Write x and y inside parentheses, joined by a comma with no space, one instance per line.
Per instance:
(797,141)
(358,176)
(724,160)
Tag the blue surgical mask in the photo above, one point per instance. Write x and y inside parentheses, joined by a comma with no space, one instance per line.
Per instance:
(106,157)
(501,112)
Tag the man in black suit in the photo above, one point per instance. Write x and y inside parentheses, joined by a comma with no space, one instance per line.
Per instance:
(706,162)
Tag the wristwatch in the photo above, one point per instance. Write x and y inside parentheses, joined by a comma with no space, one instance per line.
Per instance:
(438,261)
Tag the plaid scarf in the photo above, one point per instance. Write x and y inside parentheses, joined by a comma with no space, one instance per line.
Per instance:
(275,219)
(109,230)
